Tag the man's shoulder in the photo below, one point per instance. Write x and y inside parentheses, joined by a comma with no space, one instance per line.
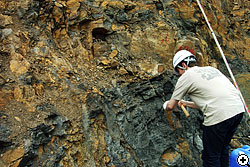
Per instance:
(206,72)
(204,68)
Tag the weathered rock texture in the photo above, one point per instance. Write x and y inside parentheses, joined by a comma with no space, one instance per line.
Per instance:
(82,82)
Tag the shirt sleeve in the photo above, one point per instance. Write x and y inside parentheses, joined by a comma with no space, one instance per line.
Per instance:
(182,87)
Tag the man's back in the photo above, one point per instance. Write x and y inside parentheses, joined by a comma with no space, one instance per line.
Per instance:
(212,92)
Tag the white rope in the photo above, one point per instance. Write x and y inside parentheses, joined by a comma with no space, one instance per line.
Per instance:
(223,56)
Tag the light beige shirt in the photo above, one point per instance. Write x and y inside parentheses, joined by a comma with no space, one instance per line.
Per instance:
(213,92)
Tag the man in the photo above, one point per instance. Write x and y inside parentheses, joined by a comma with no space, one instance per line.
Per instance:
(218,99)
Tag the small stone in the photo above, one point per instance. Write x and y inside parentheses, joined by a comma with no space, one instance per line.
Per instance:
(113,54)
(18,93)
(114,82)
(123,71)
(58,4)
(5,20)
(105,62)
(13,155)
(18,119)
(170,158)
(161,68)
(4,117)
(6,32)
(19,64)
(73,6)
(2,81)
(235,143)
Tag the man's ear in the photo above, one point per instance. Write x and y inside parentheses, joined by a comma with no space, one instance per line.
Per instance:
(184,65)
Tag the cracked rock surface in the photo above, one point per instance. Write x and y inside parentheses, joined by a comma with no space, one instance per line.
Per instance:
(82,83)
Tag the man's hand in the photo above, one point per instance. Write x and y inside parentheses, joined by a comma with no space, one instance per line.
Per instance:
(188,104)
(182,103)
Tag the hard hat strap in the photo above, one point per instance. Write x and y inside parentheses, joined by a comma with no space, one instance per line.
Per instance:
(190,59)
(180,67)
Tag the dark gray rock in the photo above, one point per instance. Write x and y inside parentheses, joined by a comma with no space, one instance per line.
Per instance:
(41,135)
(5,132)
(137,125)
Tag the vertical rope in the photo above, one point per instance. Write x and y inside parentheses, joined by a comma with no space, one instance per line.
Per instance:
(223,56)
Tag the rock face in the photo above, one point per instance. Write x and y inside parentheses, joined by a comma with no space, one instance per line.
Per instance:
(82,83)
(140,133)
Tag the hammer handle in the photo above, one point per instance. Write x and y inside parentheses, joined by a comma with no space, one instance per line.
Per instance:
(185,111)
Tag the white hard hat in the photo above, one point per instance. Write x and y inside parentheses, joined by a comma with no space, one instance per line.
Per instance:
(180,56)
